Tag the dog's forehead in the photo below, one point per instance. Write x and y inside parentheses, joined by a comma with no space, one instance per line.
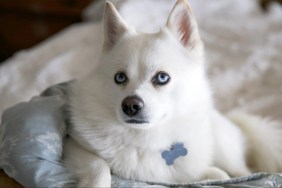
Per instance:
(150,51)
(151,45)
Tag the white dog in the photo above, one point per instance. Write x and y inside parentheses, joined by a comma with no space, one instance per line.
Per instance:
(145,112)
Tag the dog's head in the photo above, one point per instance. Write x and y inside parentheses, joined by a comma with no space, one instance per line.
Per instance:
(152,78)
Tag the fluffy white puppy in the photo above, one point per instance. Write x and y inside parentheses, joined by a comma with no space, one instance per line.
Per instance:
(145,112)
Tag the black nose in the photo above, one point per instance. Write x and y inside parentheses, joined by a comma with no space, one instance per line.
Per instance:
(131,105)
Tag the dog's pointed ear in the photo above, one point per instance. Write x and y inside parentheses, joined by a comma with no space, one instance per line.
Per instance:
(114,26)
(182,24)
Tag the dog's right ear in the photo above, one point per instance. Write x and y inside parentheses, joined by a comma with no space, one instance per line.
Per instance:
(114,26)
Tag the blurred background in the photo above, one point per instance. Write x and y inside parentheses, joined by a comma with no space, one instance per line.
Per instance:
(24,23)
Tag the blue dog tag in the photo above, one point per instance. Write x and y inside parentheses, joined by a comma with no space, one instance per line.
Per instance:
(177,150)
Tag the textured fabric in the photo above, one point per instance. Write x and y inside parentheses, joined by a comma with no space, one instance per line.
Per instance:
(31,140)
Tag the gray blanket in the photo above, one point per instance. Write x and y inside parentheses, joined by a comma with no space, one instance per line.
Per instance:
(31,140)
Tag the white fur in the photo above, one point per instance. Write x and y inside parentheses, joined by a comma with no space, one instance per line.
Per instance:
(181,111)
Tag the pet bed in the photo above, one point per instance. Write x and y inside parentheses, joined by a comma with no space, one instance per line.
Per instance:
(244,61)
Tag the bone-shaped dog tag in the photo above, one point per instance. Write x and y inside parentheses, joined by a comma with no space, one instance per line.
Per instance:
(177,150)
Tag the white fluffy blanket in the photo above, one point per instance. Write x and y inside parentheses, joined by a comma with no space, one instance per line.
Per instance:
(243,44)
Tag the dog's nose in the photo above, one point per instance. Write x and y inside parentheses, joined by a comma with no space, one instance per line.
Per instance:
(131,105)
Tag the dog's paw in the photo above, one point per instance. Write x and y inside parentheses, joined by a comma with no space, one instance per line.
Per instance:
(214,173)
(90,182)
(95,180)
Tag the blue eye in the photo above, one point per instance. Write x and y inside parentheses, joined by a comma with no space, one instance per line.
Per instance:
(120,78)
(161,78)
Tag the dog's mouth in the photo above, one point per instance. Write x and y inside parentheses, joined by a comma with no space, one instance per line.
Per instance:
(136,121)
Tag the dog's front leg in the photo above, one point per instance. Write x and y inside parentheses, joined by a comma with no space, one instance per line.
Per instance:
(91,170)
(215,173)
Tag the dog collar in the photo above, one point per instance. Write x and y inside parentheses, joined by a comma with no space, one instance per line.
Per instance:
(176,150)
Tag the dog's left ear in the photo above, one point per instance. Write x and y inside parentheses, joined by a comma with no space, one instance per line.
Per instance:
(114,26)
(183,25)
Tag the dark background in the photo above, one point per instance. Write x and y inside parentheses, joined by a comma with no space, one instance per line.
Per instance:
(24,23)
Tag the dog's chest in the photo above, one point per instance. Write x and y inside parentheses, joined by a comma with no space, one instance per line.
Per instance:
(169,159)
(146,164)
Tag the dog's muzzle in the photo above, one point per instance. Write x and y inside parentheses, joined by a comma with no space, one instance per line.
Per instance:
(132,107)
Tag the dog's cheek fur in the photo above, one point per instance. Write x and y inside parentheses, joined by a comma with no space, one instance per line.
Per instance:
(188,88)
(158,104)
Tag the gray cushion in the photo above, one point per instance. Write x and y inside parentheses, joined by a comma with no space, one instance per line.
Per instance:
(31,143)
